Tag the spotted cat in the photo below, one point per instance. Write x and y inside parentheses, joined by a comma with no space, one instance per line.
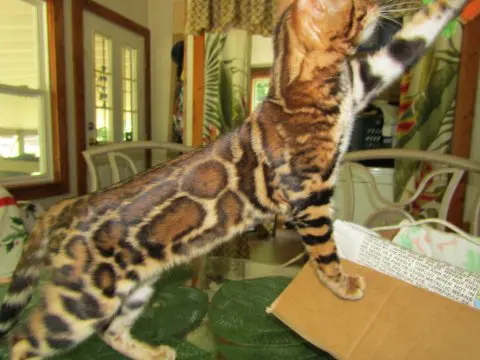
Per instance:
(107,249)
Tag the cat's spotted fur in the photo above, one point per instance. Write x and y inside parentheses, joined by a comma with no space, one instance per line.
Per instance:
(107,249)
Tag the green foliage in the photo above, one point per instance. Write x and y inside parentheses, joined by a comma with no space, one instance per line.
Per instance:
(174,311)
(18,234)
(237,318)
(245,331)
(434,109)
(225,105)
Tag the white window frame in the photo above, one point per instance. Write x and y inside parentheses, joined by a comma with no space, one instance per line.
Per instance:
(43,92)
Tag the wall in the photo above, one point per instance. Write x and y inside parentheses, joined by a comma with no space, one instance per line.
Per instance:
(262,51)
(136,10)
(161,26)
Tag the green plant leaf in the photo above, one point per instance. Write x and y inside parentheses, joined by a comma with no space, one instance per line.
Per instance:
(434,108)
(243,328)
(95,348)
(9,246)
(173,312)
(260,352)
(16,220)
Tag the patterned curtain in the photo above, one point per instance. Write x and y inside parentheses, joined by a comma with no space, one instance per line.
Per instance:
(427,114)
(216,16)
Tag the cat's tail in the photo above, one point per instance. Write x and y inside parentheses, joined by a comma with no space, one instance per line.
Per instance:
(25,277)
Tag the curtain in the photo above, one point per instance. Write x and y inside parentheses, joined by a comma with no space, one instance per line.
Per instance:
(426,119)
(254,16)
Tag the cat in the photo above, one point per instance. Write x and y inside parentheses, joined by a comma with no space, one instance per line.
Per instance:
(107,249)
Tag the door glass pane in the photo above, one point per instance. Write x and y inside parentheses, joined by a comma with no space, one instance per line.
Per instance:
(103,88)
(260,89)
(130,93)
(20,121)
(21,50)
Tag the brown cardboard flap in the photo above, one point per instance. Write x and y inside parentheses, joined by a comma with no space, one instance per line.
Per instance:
(394,320)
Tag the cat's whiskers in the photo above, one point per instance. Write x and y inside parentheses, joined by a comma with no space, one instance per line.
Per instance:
(390,19)
(401,4)
(399,10)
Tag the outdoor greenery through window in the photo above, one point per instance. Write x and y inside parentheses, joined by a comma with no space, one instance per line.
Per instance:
(260,87)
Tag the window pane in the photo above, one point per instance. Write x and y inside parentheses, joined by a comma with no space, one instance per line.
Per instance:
(103,88)
(9,146)
(127,126)
(129,90)
(104,121)
(20,46)
(103,51)
(20,121)
(32,145)
(260,91)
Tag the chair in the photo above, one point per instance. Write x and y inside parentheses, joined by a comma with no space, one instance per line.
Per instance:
(389,212)
(123,151)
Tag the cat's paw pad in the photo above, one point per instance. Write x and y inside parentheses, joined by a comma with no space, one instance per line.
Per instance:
(164,352)
(354,287)
(349,287)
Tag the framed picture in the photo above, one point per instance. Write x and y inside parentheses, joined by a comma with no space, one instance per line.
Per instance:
(259,86)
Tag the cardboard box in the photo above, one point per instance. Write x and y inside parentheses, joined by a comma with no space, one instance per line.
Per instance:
(394,320)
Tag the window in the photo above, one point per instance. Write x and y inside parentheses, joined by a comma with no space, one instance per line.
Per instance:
(260,84)
(129,89)
(109,104)
(31,95)
(103,88)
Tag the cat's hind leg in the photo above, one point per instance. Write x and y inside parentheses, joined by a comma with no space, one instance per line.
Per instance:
(313,219)
(117,332)
(61,322)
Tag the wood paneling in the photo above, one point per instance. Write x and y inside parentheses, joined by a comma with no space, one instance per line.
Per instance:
(198,89)
(79,89)
(465,109)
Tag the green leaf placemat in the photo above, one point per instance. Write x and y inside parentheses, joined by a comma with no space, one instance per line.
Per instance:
(245,331)
(173,311)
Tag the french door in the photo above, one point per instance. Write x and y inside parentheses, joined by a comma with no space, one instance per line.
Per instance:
(114,90)
(114,82)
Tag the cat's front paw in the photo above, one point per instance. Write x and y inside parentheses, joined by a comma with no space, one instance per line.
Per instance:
(164,352)
(354,287)
(348,287)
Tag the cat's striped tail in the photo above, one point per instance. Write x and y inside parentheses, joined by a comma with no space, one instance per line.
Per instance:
(25,278)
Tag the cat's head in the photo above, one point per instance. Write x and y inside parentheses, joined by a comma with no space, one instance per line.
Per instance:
(341,24)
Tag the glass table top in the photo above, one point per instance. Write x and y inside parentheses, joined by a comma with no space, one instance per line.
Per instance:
(220,314)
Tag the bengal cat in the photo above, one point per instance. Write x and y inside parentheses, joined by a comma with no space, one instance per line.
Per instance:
(107,249)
